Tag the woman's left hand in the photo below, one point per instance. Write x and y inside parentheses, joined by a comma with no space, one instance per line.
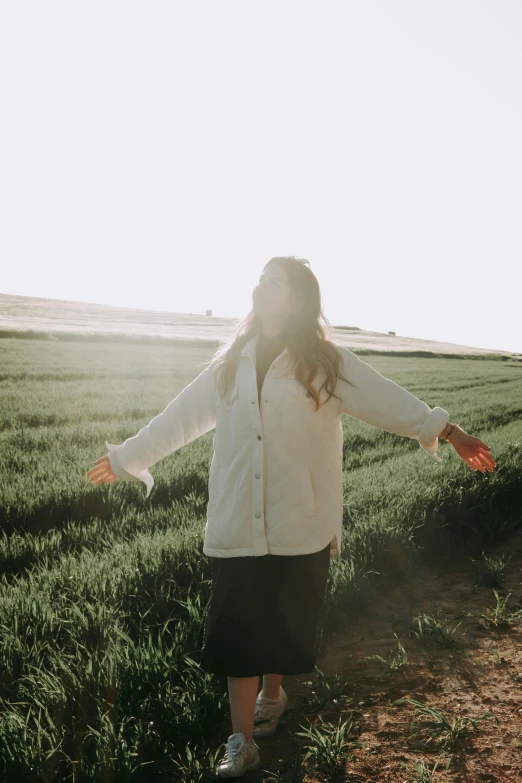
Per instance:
(473,451)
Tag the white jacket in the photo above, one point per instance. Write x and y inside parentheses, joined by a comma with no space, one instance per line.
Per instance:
(275,482)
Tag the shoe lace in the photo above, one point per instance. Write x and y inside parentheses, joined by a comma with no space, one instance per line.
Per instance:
(265,711)
(232,749)
(263,715)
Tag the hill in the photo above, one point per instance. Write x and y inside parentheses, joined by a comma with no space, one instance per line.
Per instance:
(28,316)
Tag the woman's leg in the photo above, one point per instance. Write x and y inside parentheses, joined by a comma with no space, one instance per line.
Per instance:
(271,685)
(242,692)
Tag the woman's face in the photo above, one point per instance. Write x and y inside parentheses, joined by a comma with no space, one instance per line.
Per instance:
(272,295)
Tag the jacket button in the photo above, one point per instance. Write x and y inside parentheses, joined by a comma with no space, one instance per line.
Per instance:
(258,514)
(258,475)
(259,437)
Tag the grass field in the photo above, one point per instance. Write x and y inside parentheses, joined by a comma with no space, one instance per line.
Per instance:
(102,592)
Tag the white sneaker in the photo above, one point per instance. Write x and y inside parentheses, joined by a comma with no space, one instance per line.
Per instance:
(267,713)
(240,757)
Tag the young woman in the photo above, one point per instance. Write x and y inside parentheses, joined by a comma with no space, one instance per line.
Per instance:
(275,394)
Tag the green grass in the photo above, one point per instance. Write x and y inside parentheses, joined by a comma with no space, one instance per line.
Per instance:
(102,592)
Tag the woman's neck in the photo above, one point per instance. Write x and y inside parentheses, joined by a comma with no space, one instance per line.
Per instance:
(272,326)
(275,339)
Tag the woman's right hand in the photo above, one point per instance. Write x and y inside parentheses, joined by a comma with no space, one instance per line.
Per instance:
(102,472)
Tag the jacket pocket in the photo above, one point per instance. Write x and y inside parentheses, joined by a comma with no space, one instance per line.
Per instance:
(231,397)
(217,499)
(303,486)
(226,403)
(298,407)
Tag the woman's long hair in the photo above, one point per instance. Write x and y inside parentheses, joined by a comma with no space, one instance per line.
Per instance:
(308,341)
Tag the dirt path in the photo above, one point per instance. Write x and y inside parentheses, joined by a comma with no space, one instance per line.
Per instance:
(481,673)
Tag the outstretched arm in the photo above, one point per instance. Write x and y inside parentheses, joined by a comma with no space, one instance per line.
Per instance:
(381,402)
(188,416)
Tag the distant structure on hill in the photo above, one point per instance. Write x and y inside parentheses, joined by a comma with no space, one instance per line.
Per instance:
(392,333)
(208,312)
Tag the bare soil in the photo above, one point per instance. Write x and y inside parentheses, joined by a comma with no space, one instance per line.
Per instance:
(481,673)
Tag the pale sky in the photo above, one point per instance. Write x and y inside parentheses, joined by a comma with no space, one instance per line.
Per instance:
(157,154)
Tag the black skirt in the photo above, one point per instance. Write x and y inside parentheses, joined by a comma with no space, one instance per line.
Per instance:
(264,615)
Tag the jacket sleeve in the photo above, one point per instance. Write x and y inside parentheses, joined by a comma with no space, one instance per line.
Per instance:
(381,402)
(188,416)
